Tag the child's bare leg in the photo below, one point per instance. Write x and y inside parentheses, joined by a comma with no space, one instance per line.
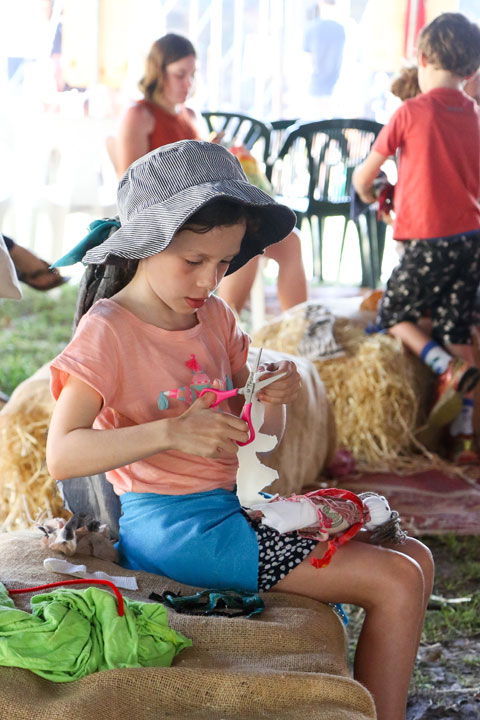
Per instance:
(415,338)
(422,555)
(292,281)
(411,335)
(235,288)
(392,588)
(463,351)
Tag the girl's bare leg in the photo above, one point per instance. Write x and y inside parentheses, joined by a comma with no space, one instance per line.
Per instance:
(392,586)
(292,281)
(235,289)
(419,552)
(291,284)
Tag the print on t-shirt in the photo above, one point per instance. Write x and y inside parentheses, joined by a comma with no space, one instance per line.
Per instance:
(189,393)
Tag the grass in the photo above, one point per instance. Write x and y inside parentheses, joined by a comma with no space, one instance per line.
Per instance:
(457,561)
(33,331)
(457,575)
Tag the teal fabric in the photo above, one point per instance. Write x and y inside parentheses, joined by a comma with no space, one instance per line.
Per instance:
(72,633)
(99,230)
(228,603)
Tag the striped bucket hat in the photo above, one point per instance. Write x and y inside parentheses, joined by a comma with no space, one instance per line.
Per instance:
(162,190)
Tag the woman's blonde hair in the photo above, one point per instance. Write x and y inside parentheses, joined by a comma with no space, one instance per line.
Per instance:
(164,51)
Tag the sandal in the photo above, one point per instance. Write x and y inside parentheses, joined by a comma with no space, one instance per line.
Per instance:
(32,278)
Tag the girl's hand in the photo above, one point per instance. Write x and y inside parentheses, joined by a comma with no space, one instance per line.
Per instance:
(216,137)
(206,432)
(284,390)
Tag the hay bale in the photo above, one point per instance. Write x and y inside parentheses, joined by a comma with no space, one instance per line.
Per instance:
(379,392)
(27,490)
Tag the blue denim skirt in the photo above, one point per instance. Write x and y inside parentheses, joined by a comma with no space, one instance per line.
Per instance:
(201,539)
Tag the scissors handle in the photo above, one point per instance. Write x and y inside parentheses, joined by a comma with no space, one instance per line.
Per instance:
(246,412)
(247,416)
(221,395)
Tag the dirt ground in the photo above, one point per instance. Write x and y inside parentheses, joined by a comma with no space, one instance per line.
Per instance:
(446,683)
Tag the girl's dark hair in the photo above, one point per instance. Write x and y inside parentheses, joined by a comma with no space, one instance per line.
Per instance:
(103,281)
(99,282)
(164,51)
(220,211)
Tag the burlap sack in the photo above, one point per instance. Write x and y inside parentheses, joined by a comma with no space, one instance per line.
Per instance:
(288,663)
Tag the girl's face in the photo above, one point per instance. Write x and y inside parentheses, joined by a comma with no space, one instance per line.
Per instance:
(178,80)
(179,280)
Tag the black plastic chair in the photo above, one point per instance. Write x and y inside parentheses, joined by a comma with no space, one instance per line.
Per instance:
(242,129)
(313,175)
(277,138)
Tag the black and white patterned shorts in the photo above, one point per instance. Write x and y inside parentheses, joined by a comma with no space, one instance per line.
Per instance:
(438,279)
(278,554)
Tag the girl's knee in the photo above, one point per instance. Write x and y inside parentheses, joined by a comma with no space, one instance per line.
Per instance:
(423,556)
(401,581)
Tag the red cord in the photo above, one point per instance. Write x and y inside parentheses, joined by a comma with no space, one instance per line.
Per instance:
(346,535)
(83,581)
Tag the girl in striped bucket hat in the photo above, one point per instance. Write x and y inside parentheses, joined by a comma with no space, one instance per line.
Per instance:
(130,404)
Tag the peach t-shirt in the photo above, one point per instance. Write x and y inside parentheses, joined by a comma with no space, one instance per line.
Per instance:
(145,373)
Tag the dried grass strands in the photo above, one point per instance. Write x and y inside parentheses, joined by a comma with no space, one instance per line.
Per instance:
(379,393)
(374,401)
(25,484)
(283,334)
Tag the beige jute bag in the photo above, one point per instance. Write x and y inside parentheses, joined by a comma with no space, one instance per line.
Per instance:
(289,663)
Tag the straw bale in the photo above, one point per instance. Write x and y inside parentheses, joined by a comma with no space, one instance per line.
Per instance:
(27,490)
(379,392)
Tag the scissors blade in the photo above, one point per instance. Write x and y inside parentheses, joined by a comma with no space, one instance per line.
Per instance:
(249,388)
(263,383)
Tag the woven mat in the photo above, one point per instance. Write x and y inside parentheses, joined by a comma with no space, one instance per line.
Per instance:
(429,503)
(288,663)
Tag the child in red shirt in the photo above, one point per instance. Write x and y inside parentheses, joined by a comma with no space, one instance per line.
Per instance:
(437,136)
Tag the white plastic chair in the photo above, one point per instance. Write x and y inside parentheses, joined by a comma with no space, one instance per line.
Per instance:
(79,178)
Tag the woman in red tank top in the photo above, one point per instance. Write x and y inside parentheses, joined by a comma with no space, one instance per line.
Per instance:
(162,118)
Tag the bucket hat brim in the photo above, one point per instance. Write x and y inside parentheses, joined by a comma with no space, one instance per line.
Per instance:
(153,228)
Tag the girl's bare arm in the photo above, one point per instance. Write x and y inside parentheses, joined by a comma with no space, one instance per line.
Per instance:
(132,141)
(75,449)
(365,174)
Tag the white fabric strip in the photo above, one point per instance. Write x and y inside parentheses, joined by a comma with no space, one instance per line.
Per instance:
(58,565)
(286,515)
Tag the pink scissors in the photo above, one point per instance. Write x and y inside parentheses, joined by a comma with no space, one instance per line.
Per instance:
(250,387)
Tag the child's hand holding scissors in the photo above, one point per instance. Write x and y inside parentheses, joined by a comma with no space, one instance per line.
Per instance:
(282,375)
(198,431)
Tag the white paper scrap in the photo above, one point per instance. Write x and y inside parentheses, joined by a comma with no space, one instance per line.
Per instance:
(252,475)
(58,565)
